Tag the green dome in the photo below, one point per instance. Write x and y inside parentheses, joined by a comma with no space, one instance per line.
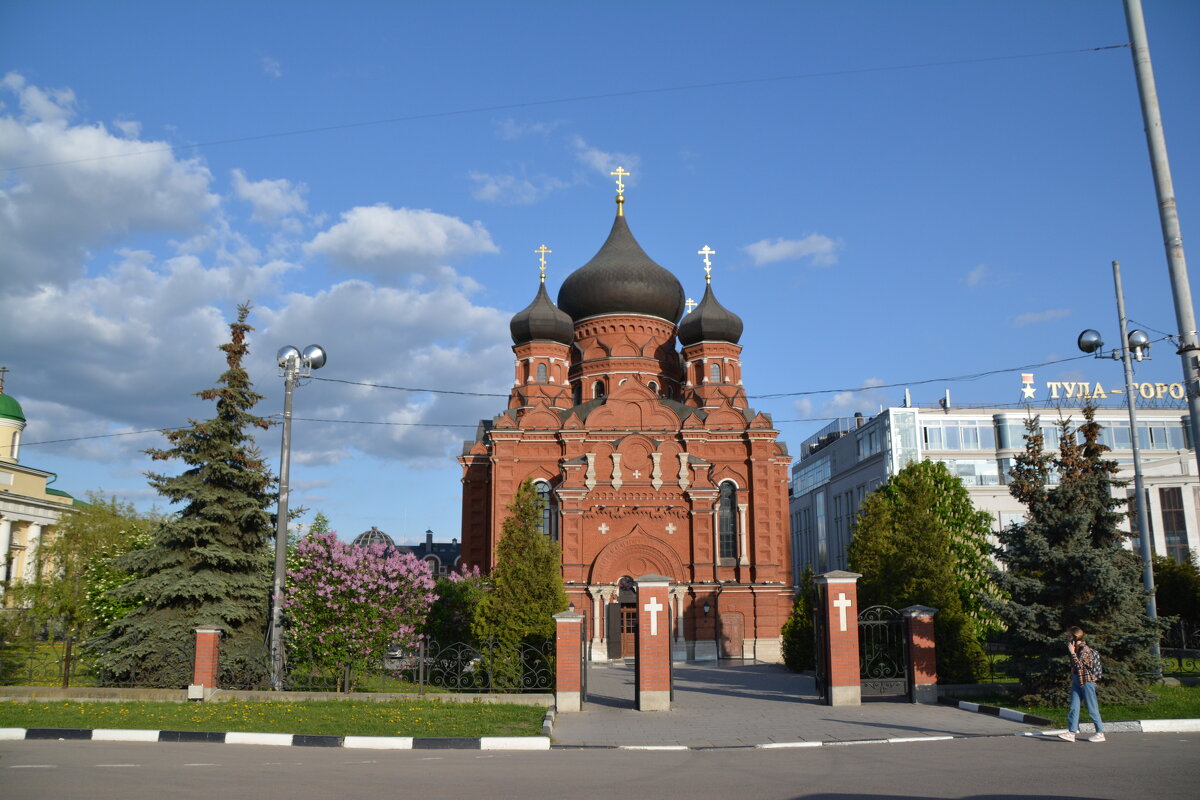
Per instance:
(10,408)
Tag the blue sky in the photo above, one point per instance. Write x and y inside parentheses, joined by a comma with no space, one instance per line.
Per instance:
(913,198)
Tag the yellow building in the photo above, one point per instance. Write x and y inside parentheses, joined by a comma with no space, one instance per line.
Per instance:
(29,509)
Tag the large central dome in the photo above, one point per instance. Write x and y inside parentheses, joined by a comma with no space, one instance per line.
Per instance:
(621,279)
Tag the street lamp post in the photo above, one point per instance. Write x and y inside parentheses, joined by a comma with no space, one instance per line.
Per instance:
(1136,343)
(293,365)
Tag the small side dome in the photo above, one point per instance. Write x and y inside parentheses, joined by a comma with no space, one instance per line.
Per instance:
(710,322)
(10,408)
(541,319)
(373,536)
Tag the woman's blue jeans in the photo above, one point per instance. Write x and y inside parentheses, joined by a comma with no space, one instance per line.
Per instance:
(1087,693)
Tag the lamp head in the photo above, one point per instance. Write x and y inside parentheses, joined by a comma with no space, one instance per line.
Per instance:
(1139,343)
(1089,341)
(314,356)
(285,355)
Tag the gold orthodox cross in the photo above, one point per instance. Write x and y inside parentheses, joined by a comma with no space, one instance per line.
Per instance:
(542,260)
(620,173)
(706,252)
(689,305)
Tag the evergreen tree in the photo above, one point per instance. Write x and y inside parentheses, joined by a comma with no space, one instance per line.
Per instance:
(526,588)
(1067,565)
(799,646)
(1177,595)
(208,564)
(919,540)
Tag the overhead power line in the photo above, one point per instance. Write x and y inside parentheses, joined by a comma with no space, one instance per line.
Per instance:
(686,87)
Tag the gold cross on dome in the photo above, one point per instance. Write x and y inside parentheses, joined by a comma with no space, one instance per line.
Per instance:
(690,304)
(706,252)
(620,173)
(542,260)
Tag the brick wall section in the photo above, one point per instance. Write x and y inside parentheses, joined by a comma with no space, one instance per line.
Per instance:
(922,650)
(840,598)
(654,639)
(568,628)
(208,662)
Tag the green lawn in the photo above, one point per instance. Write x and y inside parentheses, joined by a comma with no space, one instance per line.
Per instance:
(1171,702)
(338,718)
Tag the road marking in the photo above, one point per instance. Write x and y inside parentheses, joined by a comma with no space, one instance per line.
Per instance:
(202,765)
(432,758)
(33,766)
(786,745)
(118,765)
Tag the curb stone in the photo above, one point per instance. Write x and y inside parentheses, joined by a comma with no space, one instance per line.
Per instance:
(995,711)
(282,739)
(548,723)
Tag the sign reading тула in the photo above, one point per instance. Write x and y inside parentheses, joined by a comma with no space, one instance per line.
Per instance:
(1084,390)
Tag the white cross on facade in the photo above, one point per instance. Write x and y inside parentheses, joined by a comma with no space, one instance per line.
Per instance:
(604,529)
(841,604)
(653,607)
(637,473)
(670,527)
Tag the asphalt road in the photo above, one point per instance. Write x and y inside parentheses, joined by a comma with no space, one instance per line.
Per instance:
(1161,766)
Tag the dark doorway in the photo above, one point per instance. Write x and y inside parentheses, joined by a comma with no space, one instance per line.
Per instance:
(629,623)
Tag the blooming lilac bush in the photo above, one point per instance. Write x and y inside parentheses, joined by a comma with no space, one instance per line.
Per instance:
(348,605)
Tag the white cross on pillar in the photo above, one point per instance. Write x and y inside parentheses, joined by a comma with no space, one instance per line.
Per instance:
(604,529)
(654,607)
(841,604)
(670,527)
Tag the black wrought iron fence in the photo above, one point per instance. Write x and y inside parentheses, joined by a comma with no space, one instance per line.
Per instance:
(1181,649)
(427,666)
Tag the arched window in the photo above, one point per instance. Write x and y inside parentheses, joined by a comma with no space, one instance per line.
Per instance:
(714,373)
(727,520)
(653,387)
(549,523)
(598,389)
(541,373)
(577,393)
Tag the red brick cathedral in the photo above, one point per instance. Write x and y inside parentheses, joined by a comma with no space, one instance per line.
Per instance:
(647,456)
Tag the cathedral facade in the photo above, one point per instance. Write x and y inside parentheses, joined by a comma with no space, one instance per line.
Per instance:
(634,426)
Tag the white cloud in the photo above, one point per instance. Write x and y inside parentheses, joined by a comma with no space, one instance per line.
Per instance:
(400,337)
(604,162)
(92,192)
(387,241)
(272,200)
(510,129)
(271,67)
(512,189)
(820,250)
(1034,317)
(866,399)
(976,276)
(803,407)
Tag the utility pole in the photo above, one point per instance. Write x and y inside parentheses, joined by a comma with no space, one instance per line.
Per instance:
(293,365)
(1185,314)
(1143,508)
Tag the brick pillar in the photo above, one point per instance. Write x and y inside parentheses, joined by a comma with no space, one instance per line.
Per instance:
(922,655)
(839,593)
(654,643)
(568,660)
(208,662)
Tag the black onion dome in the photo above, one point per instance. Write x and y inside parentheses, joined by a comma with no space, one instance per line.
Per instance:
(541,320)
(621,279)
(710,322)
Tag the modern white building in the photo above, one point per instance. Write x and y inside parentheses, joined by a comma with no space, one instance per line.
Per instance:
(840,465)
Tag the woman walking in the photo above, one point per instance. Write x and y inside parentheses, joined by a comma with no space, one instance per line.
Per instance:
(1085,672)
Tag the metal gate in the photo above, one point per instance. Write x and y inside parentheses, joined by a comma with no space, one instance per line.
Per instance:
(883,653)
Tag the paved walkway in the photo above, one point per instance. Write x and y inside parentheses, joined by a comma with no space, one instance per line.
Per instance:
(747,704)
